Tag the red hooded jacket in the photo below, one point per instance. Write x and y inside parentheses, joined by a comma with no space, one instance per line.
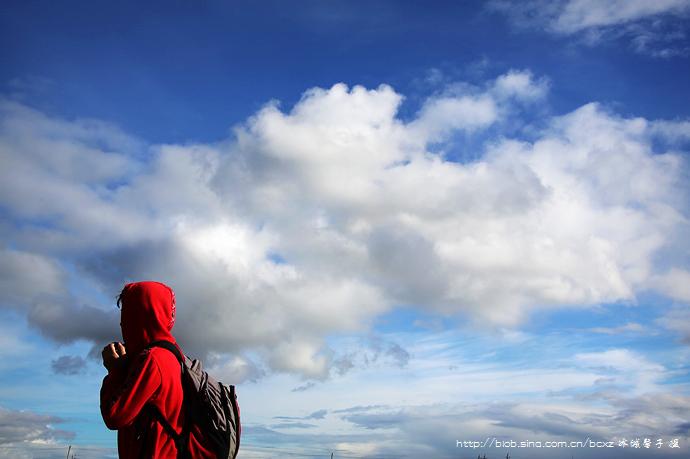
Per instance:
(150,377)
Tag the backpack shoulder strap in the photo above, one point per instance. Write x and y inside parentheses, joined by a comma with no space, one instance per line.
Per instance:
(181,439)
(166,425)
(171,347)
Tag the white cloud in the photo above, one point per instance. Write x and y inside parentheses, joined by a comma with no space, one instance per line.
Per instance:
(25,426)
(533,390)
(521,84)
(628,367)
(13,346)
(577,15)
(672,130)
(443,115)
(675,283)
(464,108)
(677,320)
(315,221)
(25,277)
(68,365)
(650,25)
(235,370)
(432,430)
(630,327)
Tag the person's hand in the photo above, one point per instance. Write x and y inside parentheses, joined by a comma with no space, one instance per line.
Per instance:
(114,355)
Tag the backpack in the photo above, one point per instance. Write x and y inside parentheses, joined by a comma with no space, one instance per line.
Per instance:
(209,404)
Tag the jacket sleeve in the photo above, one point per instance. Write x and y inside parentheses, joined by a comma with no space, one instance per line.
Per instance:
(125,391)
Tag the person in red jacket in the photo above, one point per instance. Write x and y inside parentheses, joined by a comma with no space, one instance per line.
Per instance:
(140,378)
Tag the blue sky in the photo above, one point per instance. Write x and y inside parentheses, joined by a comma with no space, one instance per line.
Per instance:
(394,225)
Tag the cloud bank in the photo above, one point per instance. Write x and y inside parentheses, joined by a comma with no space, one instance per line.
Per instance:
(315,221)
(25,426)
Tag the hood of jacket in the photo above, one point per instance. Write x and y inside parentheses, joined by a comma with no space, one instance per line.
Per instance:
(147,315)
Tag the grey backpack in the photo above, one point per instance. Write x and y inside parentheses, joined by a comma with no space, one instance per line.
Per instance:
(209,404)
